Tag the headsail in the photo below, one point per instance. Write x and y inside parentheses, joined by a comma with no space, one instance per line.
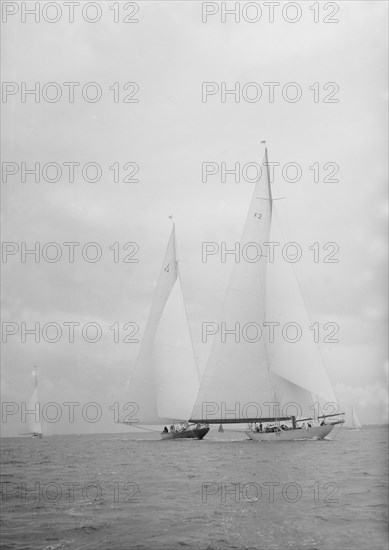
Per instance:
(165,379)
(294,355)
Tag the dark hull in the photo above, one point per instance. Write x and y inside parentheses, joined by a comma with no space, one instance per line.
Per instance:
(186,434)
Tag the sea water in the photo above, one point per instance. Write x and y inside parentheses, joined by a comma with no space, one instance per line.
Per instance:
(135,491)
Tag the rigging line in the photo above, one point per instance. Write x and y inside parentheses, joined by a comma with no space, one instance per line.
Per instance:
(149,331)
(143,428)
(242,431)
(305,298)
(267,351)
(185,310)
(149,326)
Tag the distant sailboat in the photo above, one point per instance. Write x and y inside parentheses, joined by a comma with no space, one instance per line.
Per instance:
(34,426)
(165,381)
(355,423)
(280,389)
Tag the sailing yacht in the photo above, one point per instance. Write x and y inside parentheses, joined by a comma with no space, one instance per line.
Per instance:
(165,381)
(34,426)
(355,423)
(282,390)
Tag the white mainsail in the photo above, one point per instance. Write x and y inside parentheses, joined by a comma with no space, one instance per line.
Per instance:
(247,379)
(236,374)
(33,422)
(165,379)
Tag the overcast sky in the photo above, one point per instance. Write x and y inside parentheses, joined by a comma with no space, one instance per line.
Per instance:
(169,133)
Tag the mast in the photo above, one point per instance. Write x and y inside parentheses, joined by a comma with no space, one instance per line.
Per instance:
(270,380)
(182,291)
(174,242)
(268,177)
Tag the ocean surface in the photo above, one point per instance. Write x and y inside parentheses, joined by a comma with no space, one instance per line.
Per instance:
(135,491)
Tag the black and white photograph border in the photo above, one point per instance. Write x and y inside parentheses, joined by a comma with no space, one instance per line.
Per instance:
(193,268)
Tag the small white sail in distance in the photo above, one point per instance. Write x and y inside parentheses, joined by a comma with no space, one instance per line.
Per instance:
(241,378)
(33,421)
(165,380)
(355,423)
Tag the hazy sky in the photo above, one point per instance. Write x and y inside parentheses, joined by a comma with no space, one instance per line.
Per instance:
(169,133)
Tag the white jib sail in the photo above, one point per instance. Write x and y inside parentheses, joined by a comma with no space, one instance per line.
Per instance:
(165,380)
(294,355)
